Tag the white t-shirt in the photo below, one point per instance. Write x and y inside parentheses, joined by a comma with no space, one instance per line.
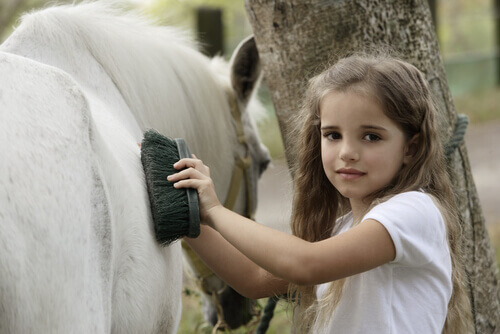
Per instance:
(409,294)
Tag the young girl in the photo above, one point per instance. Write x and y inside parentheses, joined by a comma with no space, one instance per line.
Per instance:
(376,240)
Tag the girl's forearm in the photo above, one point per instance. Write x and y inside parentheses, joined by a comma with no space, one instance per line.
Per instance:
(281,254)
(233,267)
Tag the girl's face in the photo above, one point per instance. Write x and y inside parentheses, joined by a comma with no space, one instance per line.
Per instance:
(361,148)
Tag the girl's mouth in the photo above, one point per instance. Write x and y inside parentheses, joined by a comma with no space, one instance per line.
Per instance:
(350,173)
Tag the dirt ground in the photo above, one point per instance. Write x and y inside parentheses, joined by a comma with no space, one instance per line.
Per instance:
(483,145)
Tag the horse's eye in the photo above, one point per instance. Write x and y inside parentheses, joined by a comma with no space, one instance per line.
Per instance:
(263,165)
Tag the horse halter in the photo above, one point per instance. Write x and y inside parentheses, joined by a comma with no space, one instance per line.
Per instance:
(240,172)
(242,164)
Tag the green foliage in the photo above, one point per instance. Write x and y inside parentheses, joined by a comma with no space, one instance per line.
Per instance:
(466,31)
(479,106)
(465,26)
(471,73)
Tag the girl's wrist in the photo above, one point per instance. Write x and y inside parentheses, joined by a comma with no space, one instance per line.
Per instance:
(212,214)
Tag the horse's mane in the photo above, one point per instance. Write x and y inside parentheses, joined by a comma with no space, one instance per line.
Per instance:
(157,70)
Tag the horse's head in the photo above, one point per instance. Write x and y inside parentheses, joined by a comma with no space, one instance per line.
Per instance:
(251,156)
(222,305)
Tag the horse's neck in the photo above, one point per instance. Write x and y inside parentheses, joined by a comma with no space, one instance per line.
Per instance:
(73,58)
(144,77)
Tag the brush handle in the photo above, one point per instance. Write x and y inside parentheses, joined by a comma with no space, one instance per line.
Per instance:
(192,194)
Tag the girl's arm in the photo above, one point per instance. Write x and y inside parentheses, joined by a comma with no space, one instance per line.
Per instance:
(362,248)
(233,267)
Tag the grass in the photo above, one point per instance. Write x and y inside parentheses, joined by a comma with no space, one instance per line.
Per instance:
(192,321)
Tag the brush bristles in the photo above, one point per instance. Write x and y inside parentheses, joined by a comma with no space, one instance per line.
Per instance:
(169,206)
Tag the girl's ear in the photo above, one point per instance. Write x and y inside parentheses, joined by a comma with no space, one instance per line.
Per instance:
(411,149)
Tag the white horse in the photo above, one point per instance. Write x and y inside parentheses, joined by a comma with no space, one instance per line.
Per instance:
(79,86)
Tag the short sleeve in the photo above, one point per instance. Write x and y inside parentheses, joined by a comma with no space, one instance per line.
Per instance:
(415,225)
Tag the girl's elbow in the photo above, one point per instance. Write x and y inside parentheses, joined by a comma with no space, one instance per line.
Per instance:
(255,292)
(302,278)
(248,289)
(302,273)
(256,286)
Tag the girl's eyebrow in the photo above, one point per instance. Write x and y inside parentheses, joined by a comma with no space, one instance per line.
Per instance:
(373,127)
(364,127)
(329,127)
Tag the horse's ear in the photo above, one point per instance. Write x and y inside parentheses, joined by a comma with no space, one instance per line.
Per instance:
(245,69)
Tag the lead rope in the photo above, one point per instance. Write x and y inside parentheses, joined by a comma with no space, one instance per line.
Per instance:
(457,136)
(265,320)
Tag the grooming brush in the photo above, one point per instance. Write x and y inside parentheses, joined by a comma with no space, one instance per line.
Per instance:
(175,211)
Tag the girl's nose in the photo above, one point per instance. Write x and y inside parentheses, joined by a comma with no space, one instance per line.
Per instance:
(348,152)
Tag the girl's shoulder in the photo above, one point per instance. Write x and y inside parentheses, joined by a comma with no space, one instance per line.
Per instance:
(415,194)
(410,206)
(417,200)
(414,223)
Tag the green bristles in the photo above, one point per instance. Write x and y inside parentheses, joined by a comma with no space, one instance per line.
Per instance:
(175,211)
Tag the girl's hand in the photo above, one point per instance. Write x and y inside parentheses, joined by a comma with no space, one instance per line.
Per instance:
(194,174)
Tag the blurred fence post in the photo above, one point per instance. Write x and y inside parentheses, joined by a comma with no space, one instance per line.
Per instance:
(496,13)
(433,6)
(210,30)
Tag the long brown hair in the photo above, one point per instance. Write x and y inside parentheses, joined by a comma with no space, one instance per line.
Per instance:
(403,93)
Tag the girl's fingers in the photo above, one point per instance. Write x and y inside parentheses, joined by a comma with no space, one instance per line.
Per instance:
(189,173)
(192,163)
(188,163)
(188,183)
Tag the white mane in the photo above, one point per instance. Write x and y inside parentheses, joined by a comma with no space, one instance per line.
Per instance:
(148,65)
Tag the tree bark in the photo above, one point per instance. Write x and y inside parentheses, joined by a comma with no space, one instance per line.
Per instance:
(296,38)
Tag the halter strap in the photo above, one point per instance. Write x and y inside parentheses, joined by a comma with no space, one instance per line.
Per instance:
(240,171)
(242,164)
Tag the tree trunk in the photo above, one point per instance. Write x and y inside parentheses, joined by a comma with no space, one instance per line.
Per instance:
(296,38)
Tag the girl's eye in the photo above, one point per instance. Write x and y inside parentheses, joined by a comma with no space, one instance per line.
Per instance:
(332,135)
(371,137)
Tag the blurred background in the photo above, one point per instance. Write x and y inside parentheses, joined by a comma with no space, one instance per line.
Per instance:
(469,37)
